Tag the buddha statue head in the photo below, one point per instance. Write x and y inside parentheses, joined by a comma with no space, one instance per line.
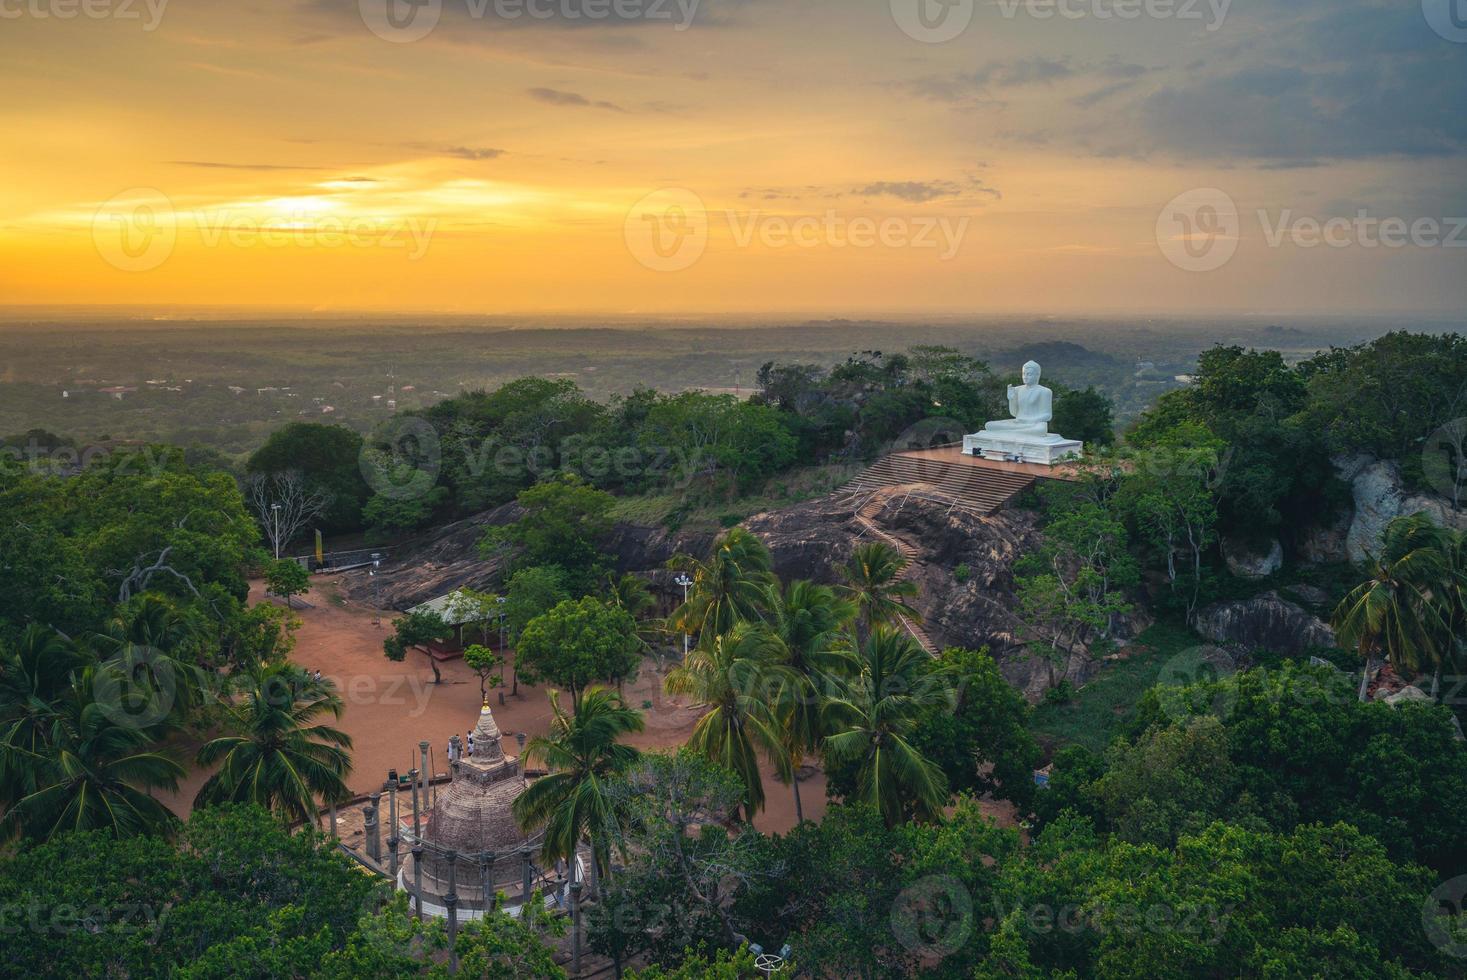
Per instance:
(1031,373)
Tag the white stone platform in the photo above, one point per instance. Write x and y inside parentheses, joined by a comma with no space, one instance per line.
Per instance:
(1045,450)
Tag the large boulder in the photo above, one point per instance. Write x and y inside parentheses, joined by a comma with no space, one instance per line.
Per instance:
(1265,622)
(1248,562)
(1380,497)
(813,539)
(448,558)
(1439,509)
(445,559)
(1376,490)
(1325,544)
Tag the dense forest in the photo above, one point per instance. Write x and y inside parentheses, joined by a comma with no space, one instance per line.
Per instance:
(1268,821)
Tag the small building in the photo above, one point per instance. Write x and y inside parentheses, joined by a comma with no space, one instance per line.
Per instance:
(461,612)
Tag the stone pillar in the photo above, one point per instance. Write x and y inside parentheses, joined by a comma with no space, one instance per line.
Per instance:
(392,830)
(526,874)
(417,851)
(486,882)
(418,880)
(417,826)
(373,829)
(427,773)
(454,741)
(575,904)
(450,902)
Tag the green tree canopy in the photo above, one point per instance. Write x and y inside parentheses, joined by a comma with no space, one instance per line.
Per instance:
(287,578)
(328,456)
(563,524)
(577,642)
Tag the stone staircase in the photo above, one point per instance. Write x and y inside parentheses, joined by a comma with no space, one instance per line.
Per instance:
(865,517)
(973,487)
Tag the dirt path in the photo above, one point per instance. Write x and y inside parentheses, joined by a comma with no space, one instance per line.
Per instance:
(390,707)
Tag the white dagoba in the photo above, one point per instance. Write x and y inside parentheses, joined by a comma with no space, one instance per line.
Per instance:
(1025,438)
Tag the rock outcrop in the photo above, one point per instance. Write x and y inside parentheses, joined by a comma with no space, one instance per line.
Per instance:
(1265,622)
(449,559)
(1248,562)
(811,540)
(1376,490)
(445,560)
(1378,497)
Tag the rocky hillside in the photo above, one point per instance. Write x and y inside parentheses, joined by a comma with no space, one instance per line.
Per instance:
(449,559)
(809,540)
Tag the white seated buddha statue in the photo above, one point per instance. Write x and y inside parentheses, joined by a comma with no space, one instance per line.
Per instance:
(1025,437)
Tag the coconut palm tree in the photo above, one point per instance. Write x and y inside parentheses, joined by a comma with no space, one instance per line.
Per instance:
(630,593)
(881,708)
(36,678)
(1398,612)
(272,753)
(810,620)
(582,752)
(153,620)
(873,581)
(1452,596)
(738,675)
(731,587)
(151,651)
(91,770)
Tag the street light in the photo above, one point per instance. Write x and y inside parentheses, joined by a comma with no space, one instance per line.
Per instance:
(376,597)
(686,583)
(275,528)
(515,690)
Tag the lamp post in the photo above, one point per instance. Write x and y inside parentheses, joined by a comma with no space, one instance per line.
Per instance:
(503,601)
(376,598)
(686,583)
(275,528)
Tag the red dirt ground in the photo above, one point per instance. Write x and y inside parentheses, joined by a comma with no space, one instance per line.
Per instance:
(390,707)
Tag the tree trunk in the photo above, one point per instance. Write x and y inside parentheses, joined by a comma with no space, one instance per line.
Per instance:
(1364,679)
(595,874)
(799,810)
(433,662)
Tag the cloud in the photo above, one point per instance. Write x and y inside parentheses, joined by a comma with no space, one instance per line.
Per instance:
(1376,102)
(1283,84)
(473,152)
(1093,98)
(217,165)
(552,96)
(915,191)
(1031,72)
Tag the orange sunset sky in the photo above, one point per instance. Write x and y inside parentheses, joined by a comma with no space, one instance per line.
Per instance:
(797,155)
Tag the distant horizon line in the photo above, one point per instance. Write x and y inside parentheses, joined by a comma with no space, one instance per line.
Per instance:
(14,311)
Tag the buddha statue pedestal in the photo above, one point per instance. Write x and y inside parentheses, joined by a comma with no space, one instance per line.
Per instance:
(1014,447)
(1024,438)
